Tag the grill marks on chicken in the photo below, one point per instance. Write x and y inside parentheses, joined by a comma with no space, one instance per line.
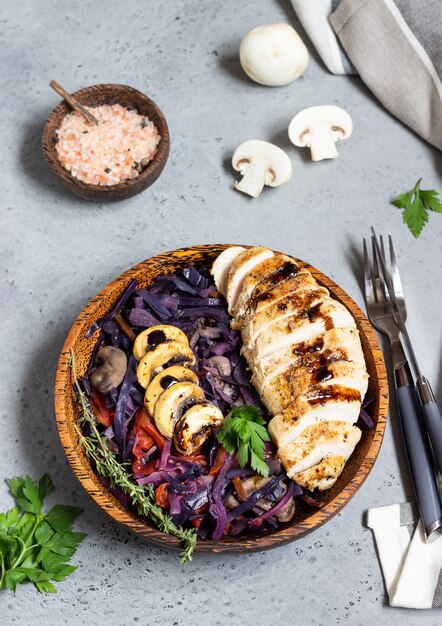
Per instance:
(306,359)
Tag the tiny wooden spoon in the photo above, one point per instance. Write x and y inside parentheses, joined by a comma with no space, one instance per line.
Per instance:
(73,102)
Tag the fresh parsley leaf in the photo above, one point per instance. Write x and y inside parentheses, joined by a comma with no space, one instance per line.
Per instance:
(35,547)
(61,517)
(244,432)
(45,486)
(416,204)
(9,518)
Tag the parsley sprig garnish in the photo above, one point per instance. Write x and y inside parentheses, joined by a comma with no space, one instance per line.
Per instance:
(141,497)
(36,546)
(244,432)
(416,204)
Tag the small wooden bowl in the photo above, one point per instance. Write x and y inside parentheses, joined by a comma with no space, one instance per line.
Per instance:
(306,519)
(104,94)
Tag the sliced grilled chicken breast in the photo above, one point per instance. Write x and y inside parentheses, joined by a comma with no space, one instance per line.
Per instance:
(241,266)
(297,328)
(260,272)
(316,443)
(269,290)
(222,265)
(295,381)
(305,411)
(297,304)
(321,476)
(306,358)
(336,345)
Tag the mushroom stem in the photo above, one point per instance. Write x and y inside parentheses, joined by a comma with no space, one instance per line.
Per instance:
(322,146)
(254,179)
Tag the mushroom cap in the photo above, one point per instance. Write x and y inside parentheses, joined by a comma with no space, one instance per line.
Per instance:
(164,380)
(111,365)
(161,332)
(160,355)
(329,117)
(273,54)
(262,153)
(193,428)
(170,405)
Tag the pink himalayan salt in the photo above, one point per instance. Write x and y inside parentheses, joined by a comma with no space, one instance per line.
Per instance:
(117,149)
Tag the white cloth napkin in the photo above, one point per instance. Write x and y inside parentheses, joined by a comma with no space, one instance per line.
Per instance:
(411,567)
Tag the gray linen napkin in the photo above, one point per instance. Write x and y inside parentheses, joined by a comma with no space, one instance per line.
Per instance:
(395,46)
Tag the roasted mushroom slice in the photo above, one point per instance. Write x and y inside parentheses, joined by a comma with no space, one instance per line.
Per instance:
(164,380)
(195,426)
(160,355)
(111,367)
(172,403)
(151,337)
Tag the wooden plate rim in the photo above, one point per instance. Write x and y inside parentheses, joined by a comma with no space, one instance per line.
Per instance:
(115,509)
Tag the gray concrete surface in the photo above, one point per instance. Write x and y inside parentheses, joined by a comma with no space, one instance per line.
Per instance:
(57,252)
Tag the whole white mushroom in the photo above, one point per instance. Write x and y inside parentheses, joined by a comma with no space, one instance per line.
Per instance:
(273,54)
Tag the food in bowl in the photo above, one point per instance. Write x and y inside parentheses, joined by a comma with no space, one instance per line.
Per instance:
(117,149)
(219,485)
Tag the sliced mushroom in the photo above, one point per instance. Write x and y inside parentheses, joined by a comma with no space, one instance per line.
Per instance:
(111,367)
(160,355)
(195,426)
(221,364)
(319,128)
(155,335)
(273,54)
(260,163)
(287,511)
(164,380)
(172,403)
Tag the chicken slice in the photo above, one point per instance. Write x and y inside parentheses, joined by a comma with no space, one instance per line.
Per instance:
(221,267)
(286,426)
(281,390)
(290,279)
(296,304)
(322,476)
(241,266)
(298,328)
(261,272)
(316,443)
(337,344)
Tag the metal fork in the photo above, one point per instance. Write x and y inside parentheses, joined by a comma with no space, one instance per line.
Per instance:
(385,319)
(430,408)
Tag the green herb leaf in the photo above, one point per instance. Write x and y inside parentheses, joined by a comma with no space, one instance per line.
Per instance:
(34,547)
(45,486)
(416,204)
(62,517)
(244,432)
(9,518)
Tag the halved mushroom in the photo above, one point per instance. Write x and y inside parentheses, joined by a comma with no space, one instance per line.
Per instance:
(195,426)
(172,403)
(155,335)
(164,380)
(319,128)
(160,355)
(260,163)
(111,367)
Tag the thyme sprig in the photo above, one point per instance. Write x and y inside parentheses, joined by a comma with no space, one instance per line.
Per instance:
(141,497)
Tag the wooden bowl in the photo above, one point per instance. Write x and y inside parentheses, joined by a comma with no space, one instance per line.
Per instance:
(103,94)
(306,518)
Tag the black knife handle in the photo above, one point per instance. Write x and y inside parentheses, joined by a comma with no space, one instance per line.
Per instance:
(432,417)
(418,453)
